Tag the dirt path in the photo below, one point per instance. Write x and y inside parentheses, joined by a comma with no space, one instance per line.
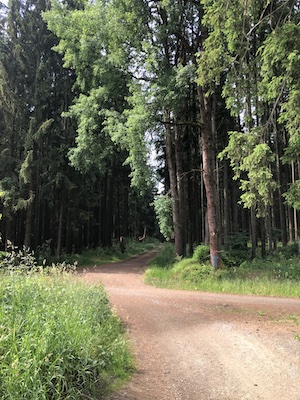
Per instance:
(203,346)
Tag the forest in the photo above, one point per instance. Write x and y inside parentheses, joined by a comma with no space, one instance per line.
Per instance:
(176,119)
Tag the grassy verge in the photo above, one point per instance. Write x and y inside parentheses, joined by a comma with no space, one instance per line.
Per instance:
(58,339)
(275,276)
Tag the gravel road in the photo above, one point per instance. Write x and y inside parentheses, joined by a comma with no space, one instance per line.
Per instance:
(203,346)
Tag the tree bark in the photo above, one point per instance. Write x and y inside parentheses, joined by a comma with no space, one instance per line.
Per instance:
(226,205)
(282,213)
(178,235)
(294,210)
(209,177)
(60,227)
(253,232)
(181,187)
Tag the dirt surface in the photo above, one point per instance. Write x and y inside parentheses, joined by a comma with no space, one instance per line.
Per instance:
(203,346)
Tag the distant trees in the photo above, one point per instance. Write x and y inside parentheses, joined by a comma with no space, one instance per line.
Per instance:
(212,86)
(54,189)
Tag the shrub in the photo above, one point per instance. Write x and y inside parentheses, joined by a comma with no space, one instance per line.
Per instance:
(166,257)
(237,241)
(201,254)
(235,257)
(192,271)
(21,260)
(290,250)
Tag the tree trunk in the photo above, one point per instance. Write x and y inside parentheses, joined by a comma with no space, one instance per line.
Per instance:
(234,205)
(209,177)
(226,205)
(282,215)
(181,187)
(263,237)
(29,220)
(60,227)
(269,229)
(178,236)
(253,232)
(294,210)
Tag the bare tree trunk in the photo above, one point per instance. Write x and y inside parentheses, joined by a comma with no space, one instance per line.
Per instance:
(178,236)
(294,210)
(269,229)
(181,187)
(204,235)
(282,215)
(226,204)
(28,226)
(290,223)
(29,220)
(60,227)
(235,217)
(209,177)
(253,232)
(263,237)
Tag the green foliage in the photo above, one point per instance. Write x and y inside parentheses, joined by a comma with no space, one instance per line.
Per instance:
(166,257)
(281,61)
(237,250)
(59,339)
(201,254)
(292,196)
(94,149)
(192,272)
(228,51)
(292,249)
(234,257)
(107,112)
(250,158)
(237,241)
(280,55)
(163,209)
(22,260)
(128,130)
(276,268)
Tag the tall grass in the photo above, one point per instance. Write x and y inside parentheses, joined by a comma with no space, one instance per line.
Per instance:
(59,339)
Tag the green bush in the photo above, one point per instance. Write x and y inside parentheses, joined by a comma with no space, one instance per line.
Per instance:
(192,271)
(166,256)
(237,241)
(17,259)
(237,250)
(234,257)
(290,250)
(201,253)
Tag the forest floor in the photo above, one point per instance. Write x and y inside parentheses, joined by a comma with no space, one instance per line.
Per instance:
(203,346)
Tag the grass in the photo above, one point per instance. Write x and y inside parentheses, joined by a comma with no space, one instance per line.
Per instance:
(275,276)
(59,339)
